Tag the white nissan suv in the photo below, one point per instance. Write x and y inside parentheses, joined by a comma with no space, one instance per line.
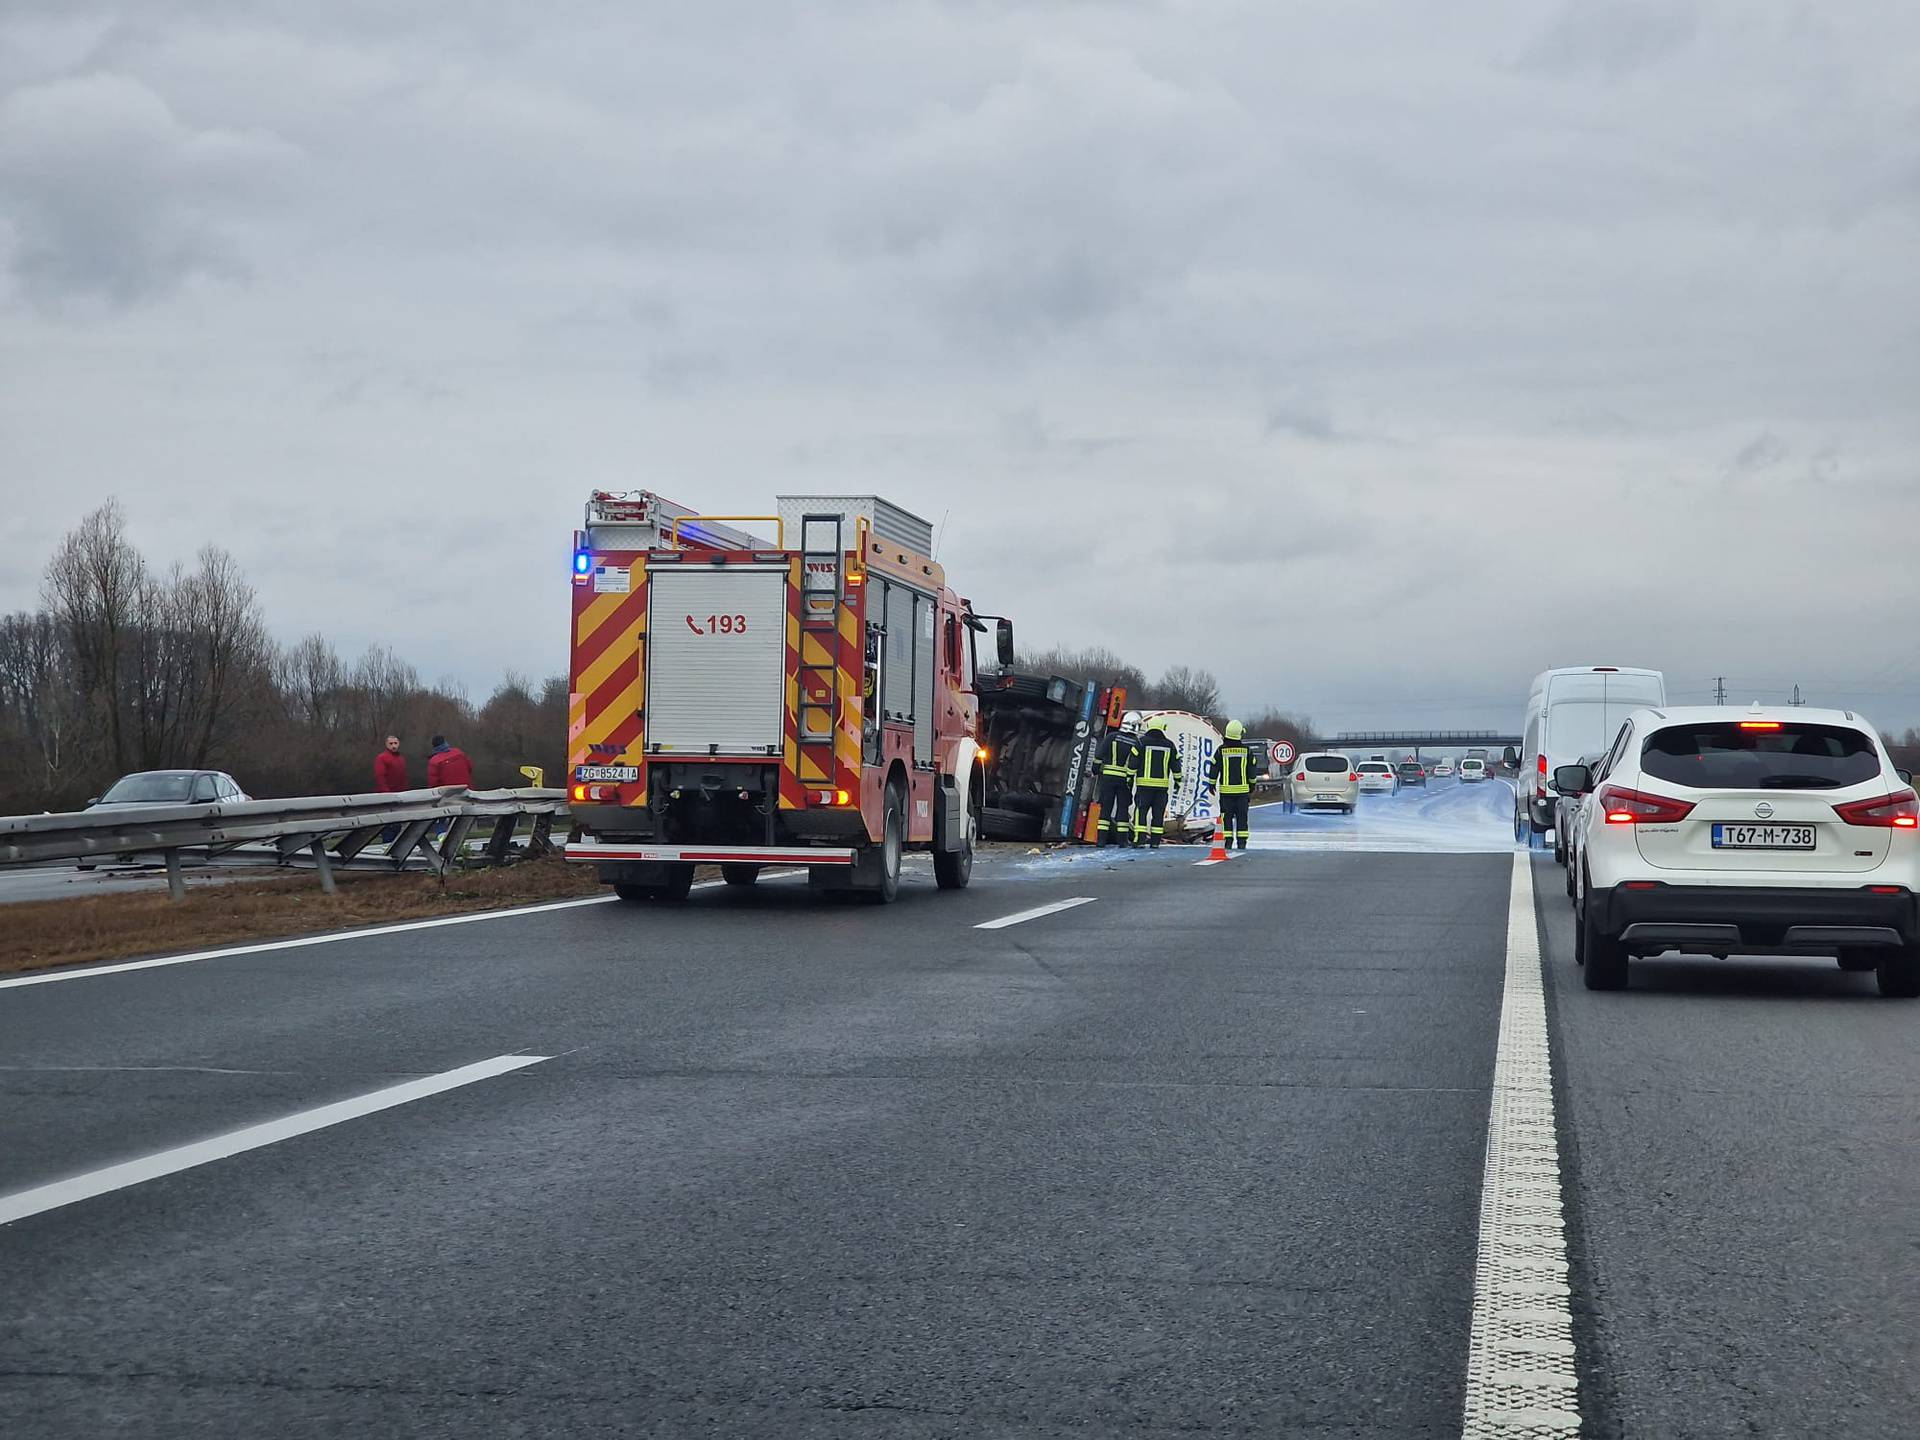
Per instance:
(1769,831)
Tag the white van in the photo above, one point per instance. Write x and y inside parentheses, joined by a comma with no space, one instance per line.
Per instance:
(1572,712)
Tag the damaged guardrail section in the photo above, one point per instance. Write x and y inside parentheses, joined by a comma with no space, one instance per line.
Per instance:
(326,827)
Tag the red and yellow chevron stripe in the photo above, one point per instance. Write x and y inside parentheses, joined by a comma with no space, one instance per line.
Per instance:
(607,680)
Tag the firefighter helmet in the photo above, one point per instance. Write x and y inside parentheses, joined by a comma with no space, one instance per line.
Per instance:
(1235,729)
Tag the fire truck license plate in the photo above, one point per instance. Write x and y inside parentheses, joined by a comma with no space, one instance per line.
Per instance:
(606,772)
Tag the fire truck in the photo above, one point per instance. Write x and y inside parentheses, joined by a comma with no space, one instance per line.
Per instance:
(801,697)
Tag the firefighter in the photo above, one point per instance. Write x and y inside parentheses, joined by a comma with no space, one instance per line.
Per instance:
(1117,763)
(1231,774)
(1156,768)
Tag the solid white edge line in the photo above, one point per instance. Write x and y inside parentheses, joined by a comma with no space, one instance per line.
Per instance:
(1520,1355)
(298,942)
(304,1122)
(1034,914)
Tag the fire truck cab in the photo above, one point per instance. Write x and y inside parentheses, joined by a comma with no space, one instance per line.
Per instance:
(799,698)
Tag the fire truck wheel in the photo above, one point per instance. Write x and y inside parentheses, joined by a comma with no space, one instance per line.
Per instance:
(740,874)
(953,868)
(893,842)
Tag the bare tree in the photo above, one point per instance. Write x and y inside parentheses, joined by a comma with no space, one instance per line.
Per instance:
(38,696)
(311,679)
(1186,688)
(229,644)
(93,588)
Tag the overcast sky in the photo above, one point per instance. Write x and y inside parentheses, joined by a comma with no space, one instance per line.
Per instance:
(1375,356)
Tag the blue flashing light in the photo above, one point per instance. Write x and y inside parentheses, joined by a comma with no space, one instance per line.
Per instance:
(582,562)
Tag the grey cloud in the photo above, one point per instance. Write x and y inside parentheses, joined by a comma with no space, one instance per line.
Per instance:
(1760,454)
(1050,268)
(1610,37)
(111,196)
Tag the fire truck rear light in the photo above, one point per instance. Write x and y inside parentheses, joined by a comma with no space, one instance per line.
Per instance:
(745,796)
(579,792)
(840,797)
(582,562)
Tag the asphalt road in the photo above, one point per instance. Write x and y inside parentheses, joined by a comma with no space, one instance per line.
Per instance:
(1203,1155)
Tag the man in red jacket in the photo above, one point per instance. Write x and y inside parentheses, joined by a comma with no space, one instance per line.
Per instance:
(390,768)
(448,765)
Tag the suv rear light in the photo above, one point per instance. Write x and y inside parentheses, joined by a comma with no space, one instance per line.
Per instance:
(1622,806)
(1898,811)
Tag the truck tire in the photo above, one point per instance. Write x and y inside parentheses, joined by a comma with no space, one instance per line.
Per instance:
(742,875)
(1005,824)
(893,843)
(1602,958)
(1898,972)
(952,869)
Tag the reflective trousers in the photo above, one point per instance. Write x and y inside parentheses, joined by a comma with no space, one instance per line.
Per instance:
(1149,815)
(1233,814)
(1116,809)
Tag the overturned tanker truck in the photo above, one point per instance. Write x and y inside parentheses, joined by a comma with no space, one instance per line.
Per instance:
(803,697)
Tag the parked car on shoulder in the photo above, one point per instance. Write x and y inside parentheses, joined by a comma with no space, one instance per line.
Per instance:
(166,787)
(1780,830)
(171,787)
(1326,780)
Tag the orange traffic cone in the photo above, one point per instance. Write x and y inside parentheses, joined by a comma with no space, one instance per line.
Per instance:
(1219,838)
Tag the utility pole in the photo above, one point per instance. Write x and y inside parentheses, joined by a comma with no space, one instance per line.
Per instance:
(1720,690)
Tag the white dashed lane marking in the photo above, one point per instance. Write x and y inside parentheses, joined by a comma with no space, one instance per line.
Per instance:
(235,1142)
(1520,1372)
(1034,914)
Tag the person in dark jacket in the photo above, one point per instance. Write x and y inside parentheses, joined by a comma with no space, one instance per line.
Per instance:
(1116,785)
(448,764)
(1157,769)
(390,768)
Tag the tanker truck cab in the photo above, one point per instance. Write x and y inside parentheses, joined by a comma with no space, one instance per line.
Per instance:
(797,694)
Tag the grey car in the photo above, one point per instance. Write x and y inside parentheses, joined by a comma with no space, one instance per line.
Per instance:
(171,787)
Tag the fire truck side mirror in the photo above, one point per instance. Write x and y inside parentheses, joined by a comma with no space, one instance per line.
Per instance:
(1003,641)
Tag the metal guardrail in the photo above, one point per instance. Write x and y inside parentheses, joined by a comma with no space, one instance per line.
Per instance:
(351,822)
(1436,738)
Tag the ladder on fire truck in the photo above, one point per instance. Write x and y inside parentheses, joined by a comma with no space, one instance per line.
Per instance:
(822,591)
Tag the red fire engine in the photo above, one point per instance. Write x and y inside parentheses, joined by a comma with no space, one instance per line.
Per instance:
(804,700)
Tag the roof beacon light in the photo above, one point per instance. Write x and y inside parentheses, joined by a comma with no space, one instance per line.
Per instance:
(582,562)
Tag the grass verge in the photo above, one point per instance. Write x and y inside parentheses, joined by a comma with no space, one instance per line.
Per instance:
(36,934)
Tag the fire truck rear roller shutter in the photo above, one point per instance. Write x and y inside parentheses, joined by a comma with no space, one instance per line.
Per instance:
(716,661)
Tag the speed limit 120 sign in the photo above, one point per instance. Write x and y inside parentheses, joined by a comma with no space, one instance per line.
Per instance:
(1282,753)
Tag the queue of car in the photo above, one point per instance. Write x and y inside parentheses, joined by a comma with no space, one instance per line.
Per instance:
(1714,831)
